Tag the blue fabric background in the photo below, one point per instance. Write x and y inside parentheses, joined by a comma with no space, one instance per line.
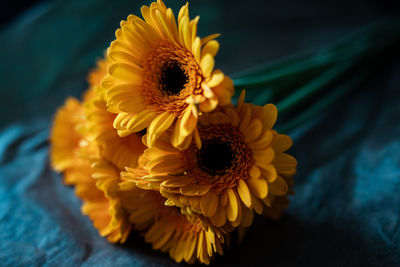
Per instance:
(347,204)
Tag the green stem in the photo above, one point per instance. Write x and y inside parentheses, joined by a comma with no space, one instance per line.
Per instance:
(313,79)
(318,84)
(316,108)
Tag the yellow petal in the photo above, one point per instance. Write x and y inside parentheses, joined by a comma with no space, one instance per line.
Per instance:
(232,205)
(121,120)
(195,204)
(231,113)
(281,143)
(209,38)
(193,28)
(216,79)
(202,249)
(180,248)
(207,65)
(223,199)
(269,172)
(165,164)
(183,12)
(177,181)
(197,138)
(121,56)
(247,217)
(244,193)
(189,120)
(209,204)
(172,23)
(196,48)
(264,157)
(238,219)
(271,113)
(285,164)
(176,137)
(219,218)
(184,33)
(254,172)
(192,242)
(126,73)
(209,105)
(211,48)
(194,189)
(253,131)
(258,187)
(165,26)
(207,92)
(240,101)
(263,141)
(145,10)
(107,82)
(140,120)
(219,118)
(195,99)
(245,117)
(257,205)
(279,187)
(210,240)
(154,233)
(186,142)
(159,125)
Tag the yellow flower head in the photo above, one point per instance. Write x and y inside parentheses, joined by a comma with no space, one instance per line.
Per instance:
(161,74)
(86,147)
(64,137)
(239,166)
(184,237)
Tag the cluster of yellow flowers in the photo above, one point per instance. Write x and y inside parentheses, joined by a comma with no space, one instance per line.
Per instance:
(157,146)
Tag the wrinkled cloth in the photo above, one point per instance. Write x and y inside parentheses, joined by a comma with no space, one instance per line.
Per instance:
(346,207)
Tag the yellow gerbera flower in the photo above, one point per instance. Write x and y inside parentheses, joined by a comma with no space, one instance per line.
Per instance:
(65,134)
(64,137)
(240,165)
(166,228)
(161,74)
(86,147)
(95,182)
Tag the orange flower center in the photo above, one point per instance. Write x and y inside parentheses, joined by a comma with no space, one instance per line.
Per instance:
(223,159)
(171,74)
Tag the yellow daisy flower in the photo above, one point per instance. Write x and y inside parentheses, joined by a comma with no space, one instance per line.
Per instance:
(64,137)
(161,74)
(184,237)
(75,156)
(240,165)
(86,147)
(65,134)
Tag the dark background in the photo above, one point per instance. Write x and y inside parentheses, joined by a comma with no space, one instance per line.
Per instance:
(347,203)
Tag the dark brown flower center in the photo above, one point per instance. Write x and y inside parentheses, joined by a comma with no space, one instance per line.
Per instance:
(223,159)
(172,78)
(215,157)
(170,75)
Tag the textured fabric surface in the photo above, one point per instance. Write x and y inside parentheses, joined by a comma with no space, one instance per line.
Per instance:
(347,204)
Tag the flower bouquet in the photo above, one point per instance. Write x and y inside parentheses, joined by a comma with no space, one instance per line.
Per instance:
(161,144)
